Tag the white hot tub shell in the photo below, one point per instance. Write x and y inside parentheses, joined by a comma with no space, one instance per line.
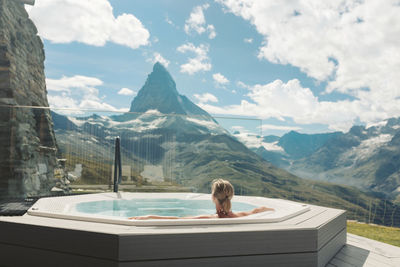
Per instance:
(65,208)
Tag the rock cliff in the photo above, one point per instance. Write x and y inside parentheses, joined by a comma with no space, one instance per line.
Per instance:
(27,140)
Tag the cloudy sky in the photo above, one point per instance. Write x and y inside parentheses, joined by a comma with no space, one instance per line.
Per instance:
(310,66)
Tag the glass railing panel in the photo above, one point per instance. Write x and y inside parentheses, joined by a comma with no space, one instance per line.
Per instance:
(47,152)
(87,143)
(57,151)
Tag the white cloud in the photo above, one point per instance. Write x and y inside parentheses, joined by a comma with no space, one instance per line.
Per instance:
(169,21)
(351,45)
(78,81)
(248,40)
(63,104)
(90,22)
(220,79)
(200,62)
(211,31)
(281,100)
(126,91)
(197,23)
(158,58)
(242,85)
(76,93)
(266,127)
(196,20)
(93,104)
(206,97)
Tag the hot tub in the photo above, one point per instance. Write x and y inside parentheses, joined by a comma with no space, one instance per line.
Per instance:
(78,231)
(115,208)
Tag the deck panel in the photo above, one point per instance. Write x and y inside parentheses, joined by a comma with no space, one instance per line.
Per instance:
(330,228)
(44,258)
(60,239)
(331,248)
(323,218)
(300,219)
(384,262)
(216,244)
(354,254)
(363,252)
(340,263)
(375,246)
(16,256)
(280,260)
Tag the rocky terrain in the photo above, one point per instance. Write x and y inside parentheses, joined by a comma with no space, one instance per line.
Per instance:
(27,141)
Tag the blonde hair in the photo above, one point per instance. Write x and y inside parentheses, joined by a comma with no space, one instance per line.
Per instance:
(223,191)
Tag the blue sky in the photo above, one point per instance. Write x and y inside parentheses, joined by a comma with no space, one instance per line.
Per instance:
(310,66)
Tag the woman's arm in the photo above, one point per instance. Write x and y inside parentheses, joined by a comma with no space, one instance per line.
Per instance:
(254,211)
(207,216)
(149,217)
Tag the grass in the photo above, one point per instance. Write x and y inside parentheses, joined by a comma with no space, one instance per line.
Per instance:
(389,235)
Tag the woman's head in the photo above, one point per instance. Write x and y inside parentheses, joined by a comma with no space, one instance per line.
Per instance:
(222,191)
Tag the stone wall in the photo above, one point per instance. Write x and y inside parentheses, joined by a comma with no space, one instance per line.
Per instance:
(27,141)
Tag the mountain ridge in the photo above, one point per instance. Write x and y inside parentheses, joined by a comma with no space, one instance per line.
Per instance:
(365,157)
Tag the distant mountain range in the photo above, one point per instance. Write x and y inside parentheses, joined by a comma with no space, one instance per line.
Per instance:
(166,137)
(368,158)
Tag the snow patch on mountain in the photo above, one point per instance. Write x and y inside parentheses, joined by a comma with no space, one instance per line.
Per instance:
(367,148)
(152,112)
(211,125)
(273,147)
(376,124)
(255,141)
(76,121)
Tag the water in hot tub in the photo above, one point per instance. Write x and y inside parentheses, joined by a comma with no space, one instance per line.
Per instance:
(162,207)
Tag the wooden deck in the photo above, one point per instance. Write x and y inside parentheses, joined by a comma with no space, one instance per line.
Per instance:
(309,239)
(363,252)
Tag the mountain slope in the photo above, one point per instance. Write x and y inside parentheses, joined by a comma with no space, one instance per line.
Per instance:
(368,158)
(298,145)
(282,151)
(365,157)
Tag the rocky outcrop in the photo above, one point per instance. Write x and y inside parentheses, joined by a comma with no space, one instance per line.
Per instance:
(27,141)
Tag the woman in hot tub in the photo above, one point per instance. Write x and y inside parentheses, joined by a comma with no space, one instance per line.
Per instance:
(221,193)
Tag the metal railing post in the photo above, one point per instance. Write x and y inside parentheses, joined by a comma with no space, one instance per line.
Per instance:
(117,164)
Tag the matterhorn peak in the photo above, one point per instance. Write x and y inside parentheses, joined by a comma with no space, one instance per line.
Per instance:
(159,93)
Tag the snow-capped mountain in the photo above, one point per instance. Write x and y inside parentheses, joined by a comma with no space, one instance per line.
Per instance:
(160,91)
(366,157)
